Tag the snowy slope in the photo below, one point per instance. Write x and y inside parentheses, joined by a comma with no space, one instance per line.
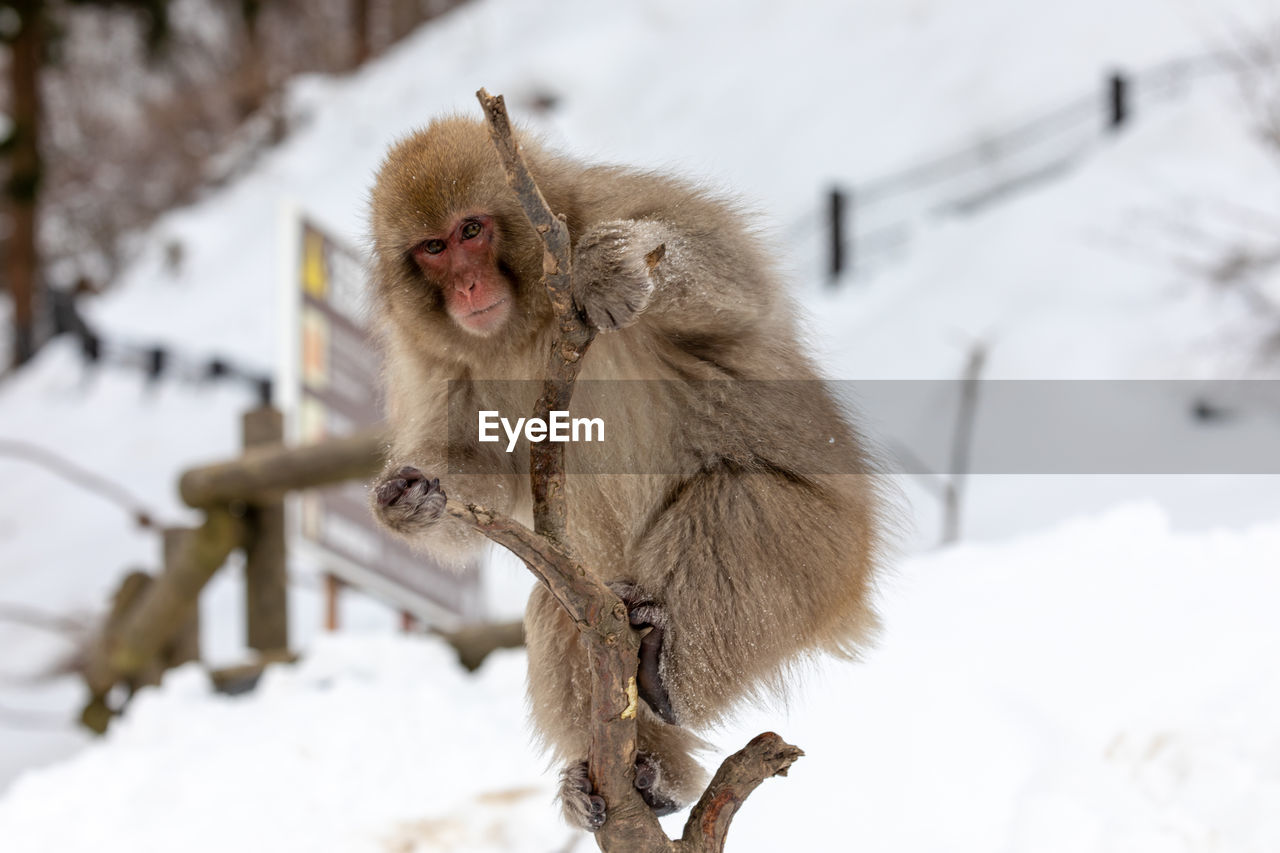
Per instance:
(1091,275)
(1071,691)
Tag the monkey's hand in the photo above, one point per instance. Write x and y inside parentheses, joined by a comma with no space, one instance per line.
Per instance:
(405,500)
(584,808)
(612,272)
(644,612)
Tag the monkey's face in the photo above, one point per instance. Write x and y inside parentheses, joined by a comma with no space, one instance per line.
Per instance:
(461,262)
(456,264)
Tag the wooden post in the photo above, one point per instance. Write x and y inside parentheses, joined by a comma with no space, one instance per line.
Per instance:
(185,646)
(836,213)
(164,606)
(149,613)
(97,714)
(266,576)
(474,643)
(1118,92)
(332,589)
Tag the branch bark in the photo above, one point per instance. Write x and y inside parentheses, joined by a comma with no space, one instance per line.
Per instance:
(612,644)
(546,458)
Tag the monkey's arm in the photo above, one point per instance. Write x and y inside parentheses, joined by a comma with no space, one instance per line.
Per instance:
(694,278)
(406,497)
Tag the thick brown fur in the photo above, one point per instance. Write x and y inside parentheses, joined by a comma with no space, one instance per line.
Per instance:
(712,501)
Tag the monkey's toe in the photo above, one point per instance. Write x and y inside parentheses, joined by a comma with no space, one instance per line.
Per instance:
(648,782)
(660,805)
(647,771)
(582,807)
(641,608)
(585,809)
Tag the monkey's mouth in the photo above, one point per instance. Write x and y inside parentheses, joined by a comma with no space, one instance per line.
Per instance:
(485,310)
(487,320)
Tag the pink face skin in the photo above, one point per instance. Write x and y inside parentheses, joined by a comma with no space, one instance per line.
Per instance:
(476,295)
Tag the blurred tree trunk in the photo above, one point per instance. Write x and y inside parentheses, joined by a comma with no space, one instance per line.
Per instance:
(405,15)
(23,266)
(360,29)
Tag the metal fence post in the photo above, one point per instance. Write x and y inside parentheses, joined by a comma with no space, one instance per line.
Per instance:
(1118,100)
(836,213)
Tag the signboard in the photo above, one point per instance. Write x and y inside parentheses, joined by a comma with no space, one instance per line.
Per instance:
(329,380)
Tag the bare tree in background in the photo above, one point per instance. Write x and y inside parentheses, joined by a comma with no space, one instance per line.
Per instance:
(122,109)
(24,34)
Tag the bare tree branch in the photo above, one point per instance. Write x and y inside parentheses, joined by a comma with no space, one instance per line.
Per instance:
(741,773)
(79,476)
(546,458)
(33,617)
(613,647)
(611,643)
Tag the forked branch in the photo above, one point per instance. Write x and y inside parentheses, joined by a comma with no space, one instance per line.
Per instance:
(611,642)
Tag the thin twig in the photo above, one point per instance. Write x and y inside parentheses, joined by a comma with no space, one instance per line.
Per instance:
(82,477)
(962,441)
(31,617)
(546,469)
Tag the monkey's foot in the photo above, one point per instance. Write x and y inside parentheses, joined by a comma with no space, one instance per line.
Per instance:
(582,807)
(586,809)
(406,500)
(644,612)
(611,272)
(649,784)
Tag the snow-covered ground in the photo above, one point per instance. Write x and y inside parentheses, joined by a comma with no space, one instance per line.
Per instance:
(1094,687)
(1079,677)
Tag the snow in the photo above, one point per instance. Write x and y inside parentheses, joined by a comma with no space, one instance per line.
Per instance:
(1071,690)
(1084,672)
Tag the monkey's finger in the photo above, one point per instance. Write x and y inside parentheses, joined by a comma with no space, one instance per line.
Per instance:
(646,613)
(390,491)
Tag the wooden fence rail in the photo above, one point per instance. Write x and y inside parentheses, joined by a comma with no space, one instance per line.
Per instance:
(153,623)
(267,473)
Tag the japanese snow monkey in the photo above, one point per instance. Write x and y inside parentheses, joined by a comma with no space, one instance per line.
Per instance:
(733,508)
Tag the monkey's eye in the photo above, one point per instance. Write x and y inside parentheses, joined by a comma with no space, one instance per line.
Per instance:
(433,247)
(470,229)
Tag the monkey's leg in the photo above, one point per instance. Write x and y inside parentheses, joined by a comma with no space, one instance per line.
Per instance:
(752,570)
(560,702)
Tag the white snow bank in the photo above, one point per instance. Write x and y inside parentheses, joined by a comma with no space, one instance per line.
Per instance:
(1102,686)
